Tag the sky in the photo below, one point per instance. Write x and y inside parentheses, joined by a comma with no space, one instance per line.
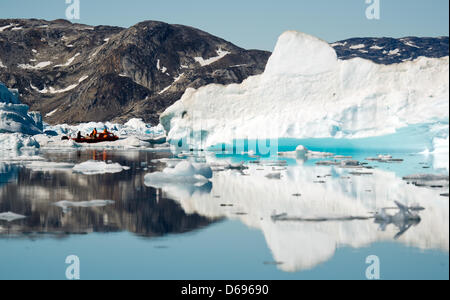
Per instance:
(254,24)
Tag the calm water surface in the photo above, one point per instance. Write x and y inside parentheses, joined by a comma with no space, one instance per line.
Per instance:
(222,230)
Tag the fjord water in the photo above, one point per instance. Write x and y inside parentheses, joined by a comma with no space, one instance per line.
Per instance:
(223,230)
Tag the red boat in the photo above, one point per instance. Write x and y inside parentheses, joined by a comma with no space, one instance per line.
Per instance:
(92,140)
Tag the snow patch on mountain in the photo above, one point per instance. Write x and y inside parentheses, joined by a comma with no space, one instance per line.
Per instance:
(38,66)
(69,61)
(205,62)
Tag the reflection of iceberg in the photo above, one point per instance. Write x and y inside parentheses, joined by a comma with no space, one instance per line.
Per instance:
(404,219)
(303,245)
(183,173)
(184,180)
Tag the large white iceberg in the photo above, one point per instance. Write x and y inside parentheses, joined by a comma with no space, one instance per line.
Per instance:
(14,116)
(307,92)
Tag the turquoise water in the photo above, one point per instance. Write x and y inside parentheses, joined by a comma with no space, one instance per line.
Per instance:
(176,232)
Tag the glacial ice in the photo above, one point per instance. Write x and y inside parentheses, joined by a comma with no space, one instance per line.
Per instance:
(17,142)
(306,92)
(14,116)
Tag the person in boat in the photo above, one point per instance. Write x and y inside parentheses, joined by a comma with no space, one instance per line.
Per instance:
(105,133)
(79,135)
(94,133)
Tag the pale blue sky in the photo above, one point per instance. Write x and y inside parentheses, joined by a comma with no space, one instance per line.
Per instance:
(254,23)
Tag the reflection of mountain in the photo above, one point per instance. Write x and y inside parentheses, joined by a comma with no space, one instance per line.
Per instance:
(136,208)
(303,245)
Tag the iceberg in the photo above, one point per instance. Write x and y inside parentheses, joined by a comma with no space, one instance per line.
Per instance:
(14,116)
(306,92)
(17,142)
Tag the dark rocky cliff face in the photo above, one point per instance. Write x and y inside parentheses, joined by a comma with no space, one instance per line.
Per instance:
(77,73)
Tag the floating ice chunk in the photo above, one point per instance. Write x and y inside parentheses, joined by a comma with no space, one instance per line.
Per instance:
(10,217)
(428,180)
(92,167)
(48,166)
(183,173)
(66,205)
(384,158)
(276,175)
(350,163)
(301,152)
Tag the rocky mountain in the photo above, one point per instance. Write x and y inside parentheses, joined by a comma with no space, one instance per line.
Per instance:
(391,51)
(75,73)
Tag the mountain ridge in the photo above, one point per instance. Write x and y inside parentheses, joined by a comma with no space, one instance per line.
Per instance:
(76,73)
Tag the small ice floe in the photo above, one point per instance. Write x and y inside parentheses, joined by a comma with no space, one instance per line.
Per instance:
(301,152)
(66,205)
(328,163)
(10,216)
(350,164)
(286,218)
(361,173)
(183,173)
(428,180)
(273,163)
(384,158)
(92,167)
(273,263)
(276,175)
(342,157)
(48,166)
(238,166)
